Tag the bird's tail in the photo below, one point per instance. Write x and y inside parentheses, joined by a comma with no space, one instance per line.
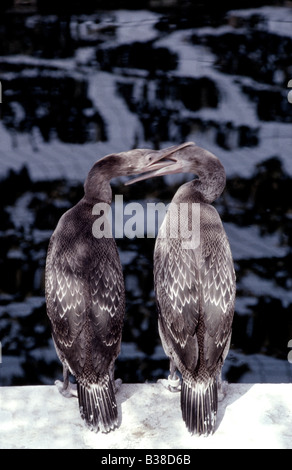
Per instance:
(199,402)
(97,404)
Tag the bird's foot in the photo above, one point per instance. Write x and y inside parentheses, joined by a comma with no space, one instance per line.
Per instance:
(117,384)
(172,383)
(67,391)
(222,390)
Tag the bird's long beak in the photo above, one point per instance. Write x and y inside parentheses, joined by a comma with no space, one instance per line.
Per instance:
(161,162)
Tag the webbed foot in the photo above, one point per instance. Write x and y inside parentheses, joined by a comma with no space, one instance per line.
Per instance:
(68,391)
(66,388)
(172,383)
(222,389)
(117,384)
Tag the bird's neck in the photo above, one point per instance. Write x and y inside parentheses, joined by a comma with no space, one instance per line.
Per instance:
(101,193)
(206,192)
(97,186)
(202,190)
(211,182)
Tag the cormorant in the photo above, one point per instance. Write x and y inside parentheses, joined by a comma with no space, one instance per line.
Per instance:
(194,282)
(85,292)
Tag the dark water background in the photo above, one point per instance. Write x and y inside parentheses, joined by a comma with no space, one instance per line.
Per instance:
(259,204)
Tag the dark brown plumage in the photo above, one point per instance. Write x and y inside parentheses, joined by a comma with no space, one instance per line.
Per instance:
(195,284)
(85,292)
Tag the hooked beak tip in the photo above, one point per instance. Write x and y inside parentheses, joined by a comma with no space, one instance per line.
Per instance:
(162,160)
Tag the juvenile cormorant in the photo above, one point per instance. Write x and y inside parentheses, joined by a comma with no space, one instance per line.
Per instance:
(195,284)
(85,292)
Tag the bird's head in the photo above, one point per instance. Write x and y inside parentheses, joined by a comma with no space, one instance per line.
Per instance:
(187,158)
(183,158)
(132,162)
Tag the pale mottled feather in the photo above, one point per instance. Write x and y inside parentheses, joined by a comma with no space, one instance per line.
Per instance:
(85,295)
(195,290)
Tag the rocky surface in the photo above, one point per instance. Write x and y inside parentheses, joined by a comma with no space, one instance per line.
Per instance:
(249,417)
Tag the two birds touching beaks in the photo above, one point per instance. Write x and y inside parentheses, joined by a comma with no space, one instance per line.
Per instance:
(195,288)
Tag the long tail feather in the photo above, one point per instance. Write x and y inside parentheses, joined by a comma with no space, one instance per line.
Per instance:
(199,402)
(97,404)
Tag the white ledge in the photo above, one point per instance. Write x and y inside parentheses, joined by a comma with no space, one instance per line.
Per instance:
(250,416)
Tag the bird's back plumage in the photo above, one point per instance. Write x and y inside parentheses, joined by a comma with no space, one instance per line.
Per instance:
(85,304)
(195,290)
